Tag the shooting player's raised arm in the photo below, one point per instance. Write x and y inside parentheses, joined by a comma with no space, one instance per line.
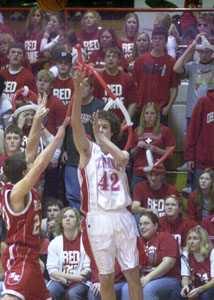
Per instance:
(81,141)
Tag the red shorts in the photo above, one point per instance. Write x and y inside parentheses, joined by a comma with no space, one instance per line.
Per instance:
(23,277)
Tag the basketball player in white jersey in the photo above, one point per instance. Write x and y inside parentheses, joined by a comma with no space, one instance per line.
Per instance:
(105,194)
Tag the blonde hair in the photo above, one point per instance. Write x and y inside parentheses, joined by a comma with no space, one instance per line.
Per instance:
(58,221)
(205,245)
(47,75)
(166,22)
(5,37)
(134,49)
(142,124)
(128,16)
(29,24)
(95,14)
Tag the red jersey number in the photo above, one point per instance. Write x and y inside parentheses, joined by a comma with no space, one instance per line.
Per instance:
(109,182)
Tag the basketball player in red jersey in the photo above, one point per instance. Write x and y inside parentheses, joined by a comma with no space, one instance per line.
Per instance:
(105,196)
(21,208)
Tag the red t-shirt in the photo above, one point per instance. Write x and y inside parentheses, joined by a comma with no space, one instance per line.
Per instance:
(178,228)
(126,47)
(121,85)
(57,114)
(162,245)
(154,77)
(154,199)
(89,41)
(32,47)
(208,224)
(163,140)
(97,58)
(71,255)
(16,81)
(63,90)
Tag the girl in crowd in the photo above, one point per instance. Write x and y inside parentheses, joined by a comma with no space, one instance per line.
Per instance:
(208,225)
(31,38)
(161,273)
(197,266)
(89,35)
(141,46)
(67,263)
(201,201)
(107,38)
(53,32)
(150,134)
(165,21)
(130,29)
(174,221)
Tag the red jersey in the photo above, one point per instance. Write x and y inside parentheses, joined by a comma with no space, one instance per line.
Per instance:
(98,56)
(178,228)
(71,255)
(154,77)
(121,85)
(63,90)
(199,139)
(204,269)
(193,212)
(154,199)
(23,227)
(16,81)
(126,47)
(162,245)
(89,41)
(208,224)
(163,140)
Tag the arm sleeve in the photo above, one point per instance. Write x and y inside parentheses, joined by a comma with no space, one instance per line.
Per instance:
(184,267)
(45,46)
(53,263)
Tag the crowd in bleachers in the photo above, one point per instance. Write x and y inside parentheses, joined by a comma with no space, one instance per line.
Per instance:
(144,73)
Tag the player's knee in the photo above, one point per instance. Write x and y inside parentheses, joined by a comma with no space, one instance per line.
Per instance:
(107,279)
(132,275)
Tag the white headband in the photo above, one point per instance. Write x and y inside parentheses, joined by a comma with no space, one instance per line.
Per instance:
(23,108)
(205,44)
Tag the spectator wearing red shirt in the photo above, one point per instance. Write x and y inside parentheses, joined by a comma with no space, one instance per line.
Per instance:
(107,39)
(90,33)
(175,222)
(16,76)
(63,87)
(154,75)
(150,134)
(31,38)
(120,83)
(161,272)
(130,29)
(56,116)
(201,200)
(150,195)
(5,41)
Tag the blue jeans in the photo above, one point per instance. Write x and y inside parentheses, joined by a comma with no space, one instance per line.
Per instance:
(72,187)
(117,287)
(157,289)
(207,295)
(57,291)
(1,287)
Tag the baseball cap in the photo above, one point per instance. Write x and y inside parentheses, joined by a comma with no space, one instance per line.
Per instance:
(64,55)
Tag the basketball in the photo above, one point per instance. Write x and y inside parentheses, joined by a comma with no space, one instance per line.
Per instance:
(52,6)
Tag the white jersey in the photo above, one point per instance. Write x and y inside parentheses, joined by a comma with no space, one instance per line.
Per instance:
(104,183)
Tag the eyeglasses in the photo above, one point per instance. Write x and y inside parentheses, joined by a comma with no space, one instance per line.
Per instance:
(202,24)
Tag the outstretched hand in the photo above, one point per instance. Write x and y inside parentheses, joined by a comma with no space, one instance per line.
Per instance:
(42,110)
(79,79)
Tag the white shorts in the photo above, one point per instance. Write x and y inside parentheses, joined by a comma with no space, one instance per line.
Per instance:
(112,234)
